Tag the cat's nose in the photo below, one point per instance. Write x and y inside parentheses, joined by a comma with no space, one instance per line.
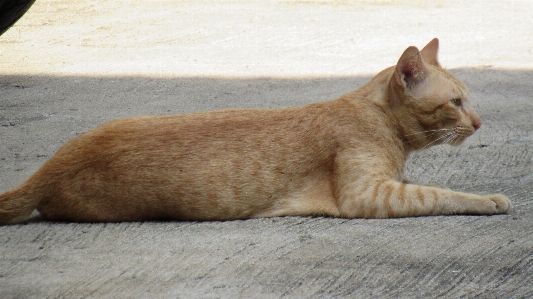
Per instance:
(476,120)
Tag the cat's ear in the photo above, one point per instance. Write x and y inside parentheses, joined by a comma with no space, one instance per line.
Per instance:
(430,51)
(411,70)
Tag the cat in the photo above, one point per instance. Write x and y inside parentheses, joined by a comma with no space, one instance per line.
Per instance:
(342,158)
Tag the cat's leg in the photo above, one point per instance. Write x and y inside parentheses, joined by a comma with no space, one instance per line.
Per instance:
(389,198)
(406,181)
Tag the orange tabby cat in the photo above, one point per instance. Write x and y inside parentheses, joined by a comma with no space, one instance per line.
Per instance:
(343,158)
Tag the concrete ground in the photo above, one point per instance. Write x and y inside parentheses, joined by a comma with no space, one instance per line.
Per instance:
(68,66)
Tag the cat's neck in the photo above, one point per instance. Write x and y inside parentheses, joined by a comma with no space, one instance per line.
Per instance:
(381,94)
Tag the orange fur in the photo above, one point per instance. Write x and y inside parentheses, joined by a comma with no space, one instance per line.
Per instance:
(343,158)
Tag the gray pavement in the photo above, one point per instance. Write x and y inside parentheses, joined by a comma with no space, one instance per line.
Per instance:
(68,66)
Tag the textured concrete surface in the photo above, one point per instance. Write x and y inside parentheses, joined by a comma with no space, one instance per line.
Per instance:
(68,66)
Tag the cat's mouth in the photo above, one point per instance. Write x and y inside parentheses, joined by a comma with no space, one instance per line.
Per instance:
(453,136)
(456,136)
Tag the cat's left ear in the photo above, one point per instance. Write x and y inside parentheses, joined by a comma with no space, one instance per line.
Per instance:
(411,71)
(430,52)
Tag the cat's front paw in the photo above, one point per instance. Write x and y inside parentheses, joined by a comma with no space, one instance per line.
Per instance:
(502,203)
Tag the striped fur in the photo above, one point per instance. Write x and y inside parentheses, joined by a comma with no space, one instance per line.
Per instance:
(343,158)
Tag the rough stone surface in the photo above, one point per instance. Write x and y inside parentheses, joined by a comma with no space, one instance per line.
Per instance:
(68,66)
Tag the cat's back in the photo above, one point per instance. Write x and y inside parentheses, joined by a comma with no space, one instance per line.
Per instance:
(271,135)
(195,129)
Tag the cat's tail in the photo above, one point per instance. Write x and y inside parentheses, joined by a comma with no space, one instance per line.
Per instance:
(16,205)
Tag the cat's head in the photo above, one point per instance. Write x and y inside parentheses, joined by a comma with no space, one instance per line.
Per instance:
(431,105)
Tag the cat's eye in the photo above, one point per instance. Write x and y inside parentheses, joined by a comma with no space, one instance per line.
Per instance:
(457,102)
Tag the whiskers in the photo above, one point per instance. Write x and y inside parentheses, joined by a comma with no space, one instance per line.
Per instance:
(434,131)
(449,136)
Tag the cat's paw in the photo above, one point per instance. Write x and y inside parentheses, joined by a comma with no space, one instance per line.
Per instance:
(502,203)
